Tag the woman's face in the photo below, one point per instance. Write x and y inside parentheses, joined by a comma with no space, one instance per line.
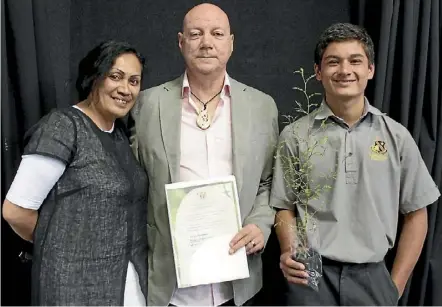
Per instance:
(119,89)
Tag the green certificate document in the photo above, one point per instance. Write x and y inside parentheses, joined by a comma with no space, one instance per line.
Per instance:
(204,216)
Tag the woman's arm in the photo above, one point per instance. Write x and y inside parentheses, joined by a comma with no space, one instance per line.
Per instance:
(35,178)
(21,220)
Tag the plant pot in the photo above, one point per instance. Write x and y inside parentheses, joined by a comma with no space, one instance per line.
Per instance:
(312,261)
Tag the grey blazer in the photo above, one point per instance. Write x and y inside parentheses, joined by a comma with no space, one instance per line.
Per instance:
(155,140)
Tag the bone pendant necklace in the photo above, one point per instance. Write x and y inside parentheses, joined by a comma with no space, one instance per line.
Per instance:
(203,119)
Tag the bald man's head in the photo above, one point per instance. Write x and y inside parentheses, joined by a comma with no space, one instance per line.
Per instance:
(206,11)
(206,42)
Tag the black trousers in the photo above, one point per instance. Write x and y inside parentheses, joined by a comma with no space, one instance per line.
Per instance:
(346,284)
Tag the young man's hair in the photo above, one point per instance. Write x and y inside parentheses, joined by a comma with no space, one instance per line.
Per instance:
(342,32)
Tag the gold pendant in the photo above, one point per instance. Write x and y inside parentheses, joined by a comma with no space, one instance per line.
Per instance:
(203,119)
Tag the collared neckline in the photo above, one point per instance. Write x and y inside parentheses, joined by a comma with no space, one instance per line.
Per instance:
(186,87)
(324,110)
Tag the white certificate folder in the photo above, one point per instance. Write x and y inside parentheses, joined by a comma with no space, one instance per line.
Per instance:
(204,216)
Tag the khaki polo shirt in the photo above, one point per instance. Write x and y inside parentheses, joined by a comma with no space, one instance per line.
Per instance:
(373,171)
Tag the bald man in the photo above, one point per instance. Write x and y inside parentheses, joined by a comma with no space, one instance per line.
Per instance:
(206,125)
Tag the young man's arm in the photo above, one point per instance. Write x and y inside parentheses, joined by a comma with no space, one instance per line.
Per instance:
(292,270)
(418,190)
(283,199)
(410,245)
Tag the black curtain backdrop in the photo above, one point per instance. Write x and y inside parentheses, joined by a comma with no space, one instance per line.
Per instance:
(408,87)
(43,41)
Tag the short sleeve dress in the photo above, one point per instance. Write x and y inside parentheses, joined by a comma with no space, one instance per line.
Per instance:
(93,221)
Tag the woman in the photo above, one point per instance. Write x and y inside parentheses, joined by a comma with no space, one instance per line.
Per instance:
(80,195)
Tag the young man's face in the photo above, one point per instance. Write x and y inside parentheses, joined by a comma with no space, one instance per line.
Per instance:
(344,70)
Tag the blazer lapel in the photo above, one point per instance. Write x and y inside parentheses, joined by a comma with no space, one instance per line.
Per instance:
(170,122)
(241,119)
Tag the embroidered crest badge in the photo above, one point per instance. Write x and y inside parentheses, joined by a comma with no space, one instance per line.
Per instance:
(378,151)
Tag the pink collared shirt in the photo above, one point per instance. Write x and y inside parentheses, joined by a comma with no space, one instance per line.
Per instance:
(205,154)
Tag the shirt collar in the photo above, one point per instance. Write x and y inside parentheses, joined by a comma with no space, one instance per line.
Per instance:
(324,110)
(186,87)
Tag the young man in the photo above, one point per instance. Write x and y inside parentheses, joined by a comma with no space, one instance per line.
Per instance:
(200,126)
(377,172)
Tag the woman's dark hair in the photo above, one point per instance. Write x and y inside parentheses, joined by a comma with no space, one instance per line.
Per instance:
(98,62)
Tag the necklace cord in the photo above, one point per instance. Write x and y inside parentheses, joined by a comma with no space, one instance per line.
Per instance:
(205,103)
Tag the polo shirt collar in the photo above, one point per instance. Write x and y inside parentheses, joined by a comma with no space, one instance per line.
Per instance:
(324,110)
